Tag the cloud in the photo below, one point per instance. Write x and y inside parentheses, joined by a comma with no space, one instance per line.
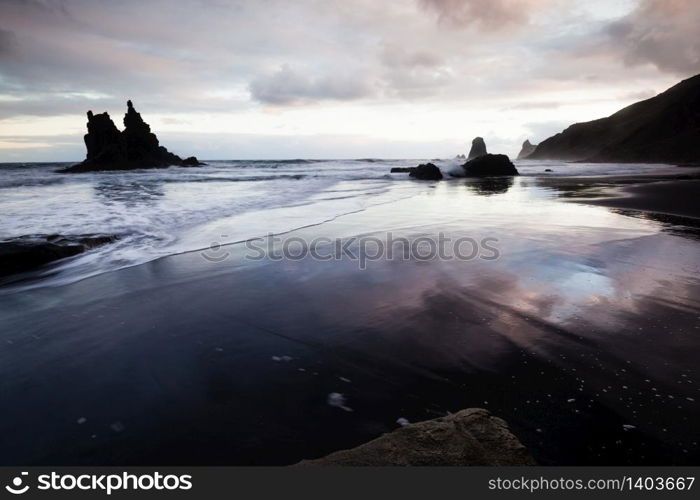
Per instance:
(486,14)
(7,43)
(444,68)
(290,86)
(663,33)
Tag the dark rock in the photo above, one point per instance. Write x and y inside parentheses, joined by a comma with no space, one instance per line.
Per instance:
(489,165)
(478,148)
(135,147)
(426,172)
(526,150)
(401,170)
(30,252)
(548,170)
(468,437)
(663,129)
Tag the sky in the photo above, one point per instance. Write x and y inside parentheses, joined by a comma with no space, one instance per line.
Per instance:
(271,79)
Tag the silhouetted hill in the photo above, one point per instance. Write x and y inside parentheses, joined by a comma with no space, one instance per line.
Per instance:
(663,129)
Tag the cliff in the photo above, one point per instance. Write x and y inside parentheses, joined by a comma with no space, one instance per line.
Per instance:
(663,129)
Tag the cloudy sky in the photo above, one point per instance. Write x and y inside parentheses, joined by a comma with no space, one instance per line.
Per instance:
(331,78)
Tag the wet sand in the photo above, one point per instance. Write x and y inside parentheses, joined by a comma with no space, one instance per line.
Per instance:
(677,195)
(583,335)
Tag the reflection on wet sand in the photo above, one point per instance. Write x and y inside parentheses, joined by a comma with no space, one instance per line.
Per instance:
(583,335)
(490,185)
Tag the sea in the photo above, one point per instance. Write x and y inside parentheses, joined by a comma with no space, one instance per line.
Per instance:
(160,212)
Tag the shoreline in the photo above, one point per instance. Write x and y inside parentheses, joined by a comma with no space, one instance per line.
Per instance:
(672,194)
(182,360)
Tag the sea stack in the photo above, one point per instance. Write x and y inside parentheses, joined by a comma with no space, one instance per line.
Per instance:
(526,150)
(134,147)
(478,148)
(489,165)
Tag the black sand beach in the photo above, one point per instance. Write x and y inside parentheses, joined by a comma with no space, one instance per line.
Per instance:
(583,335)
(669,194)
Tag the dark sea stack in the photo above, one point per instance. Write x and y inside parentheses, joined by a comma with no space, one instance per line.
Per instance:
(401,170)
(134,147)
(489,165)
(426,172)
(26,253)
(527,149)
(663,129)
(468,437)
(478,148)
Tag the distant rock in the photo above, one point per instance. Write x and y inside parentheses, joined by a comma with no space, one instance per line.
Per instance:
(468,437)
(526,150)
(426,172)
(478,148)
(460,157)
(401,170)
(663,129)
(489,165)
(30,252)
(135,147)
(548,170)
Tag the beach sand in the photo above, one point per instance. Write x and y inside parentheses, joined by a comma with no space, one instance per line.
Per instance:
(582,335)
(669,194)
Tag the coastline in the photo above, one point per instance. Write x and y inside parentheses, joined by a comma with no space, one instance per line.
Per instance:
(672,194)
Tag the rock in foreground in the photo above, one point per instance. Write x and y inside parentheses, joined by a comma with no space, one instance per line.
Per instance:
(30,252)
(489,165)
(426,172)
(478,148)
(468,437)
(135,147)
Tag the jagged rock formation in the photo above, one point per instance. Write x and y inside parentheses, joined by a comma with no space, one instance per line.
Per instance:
(526,150)
(468,437)
(135,147)
(426,172)
(489,165)
(30,252)
(478,148)
(663,129)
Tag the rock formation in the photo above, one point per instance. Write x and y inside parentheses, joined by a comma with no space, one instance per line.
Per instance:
(135,147)
(30,252)
(489,165)
(526,150)
(426,172)
(663,129)
(478,148)
(468,437)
